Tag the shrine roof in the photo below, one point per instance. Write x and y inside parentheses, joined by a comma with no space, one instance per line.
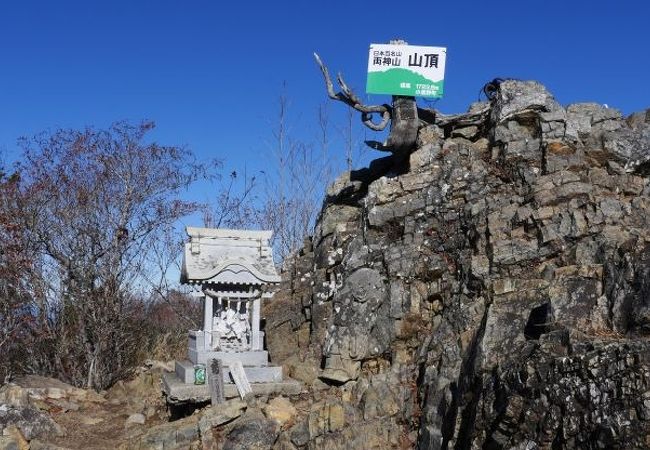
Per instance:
(222,256)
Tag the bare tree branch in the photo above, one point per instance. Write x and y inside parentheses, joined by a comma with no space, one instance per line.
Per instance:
(348,97)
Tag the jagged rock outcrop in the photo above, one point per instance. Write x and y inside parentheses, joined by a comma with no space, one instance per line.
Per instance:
(490,292)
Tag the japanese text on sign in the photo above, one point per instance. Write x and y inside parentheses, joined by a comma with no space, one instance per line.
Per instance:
(406,70)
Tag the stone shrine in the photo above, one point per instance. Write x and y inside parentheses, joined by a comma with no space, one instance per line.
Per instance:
(234,272)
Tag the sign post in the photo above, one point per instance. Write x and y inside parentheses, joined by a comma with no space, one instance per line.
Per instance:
(406,70)
(215,381)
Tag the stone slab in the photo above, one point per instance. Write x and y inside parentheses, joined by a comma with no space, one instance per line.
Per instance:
(179,392)
(185,372)
(257,358)
(241,380)
(259,374)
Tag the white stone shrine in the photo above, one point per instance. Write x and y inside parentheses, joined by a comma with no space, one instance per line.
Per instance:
(234,272)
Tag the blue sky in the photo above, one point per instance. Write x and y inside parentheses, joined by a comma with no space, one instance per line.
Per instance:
(209,72)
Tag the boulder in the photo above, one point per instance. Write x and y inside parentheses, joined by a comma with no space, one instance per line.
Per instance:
(253,431)
(281,410)
(31,422)
(135,419)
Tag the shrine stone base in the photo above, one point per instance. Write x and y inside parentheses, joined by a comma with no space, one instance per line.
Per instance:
(256,374)
(180,384)
(179,392)
(247,358)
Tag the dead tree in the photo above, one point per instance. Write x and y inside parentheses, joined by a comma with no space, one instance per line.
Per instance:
(403,114)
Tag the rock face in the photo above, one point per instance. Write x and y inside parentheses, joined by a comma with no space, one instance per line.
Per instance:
(493,291)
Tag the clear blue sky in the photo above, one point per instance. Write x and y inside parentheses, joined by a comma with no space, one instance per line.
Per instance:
(210,72)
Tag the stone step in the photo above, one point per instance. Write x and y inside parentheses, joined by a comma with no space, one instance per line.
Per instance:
(255,374)
(179,392)
(250,358)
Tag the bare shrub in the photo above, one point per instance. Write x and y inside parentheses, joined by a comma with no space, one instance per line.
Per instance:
(96,203)
(293,187)
(17,310)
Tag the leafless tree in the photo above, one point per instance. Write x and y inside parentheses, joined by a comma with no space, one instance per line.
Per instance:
(17,309)
(97,203)
(234,205)
(354,150)
(292,189)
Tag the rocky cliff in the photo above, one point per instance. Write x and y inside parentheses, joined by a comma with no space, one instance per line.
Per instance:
(492,291)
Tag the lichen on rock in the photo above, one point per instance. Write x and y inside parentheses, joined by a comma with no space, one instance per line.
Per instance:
(491,291)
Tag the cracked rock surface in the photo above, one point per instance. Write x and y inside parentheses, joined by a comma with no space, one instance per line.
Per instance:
(492,291)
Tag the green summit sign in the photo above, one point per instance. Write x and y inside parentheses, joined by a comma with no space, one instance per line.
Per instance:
(410,70)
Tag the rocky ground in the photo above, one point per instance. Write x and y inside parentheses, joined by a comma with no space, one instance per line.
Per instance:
(41,413)
(44,413)
(490,291)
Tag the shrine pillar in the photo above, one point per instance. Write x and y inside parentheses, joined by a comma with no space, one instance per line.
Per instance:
(207,321)
(255,325)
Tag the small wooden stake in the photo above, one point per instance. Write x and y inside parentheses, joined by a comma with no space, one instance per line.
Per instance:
(215,380)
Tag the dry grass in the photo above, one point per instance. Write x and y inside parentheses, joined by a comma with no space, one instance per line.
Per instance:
(169,345)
